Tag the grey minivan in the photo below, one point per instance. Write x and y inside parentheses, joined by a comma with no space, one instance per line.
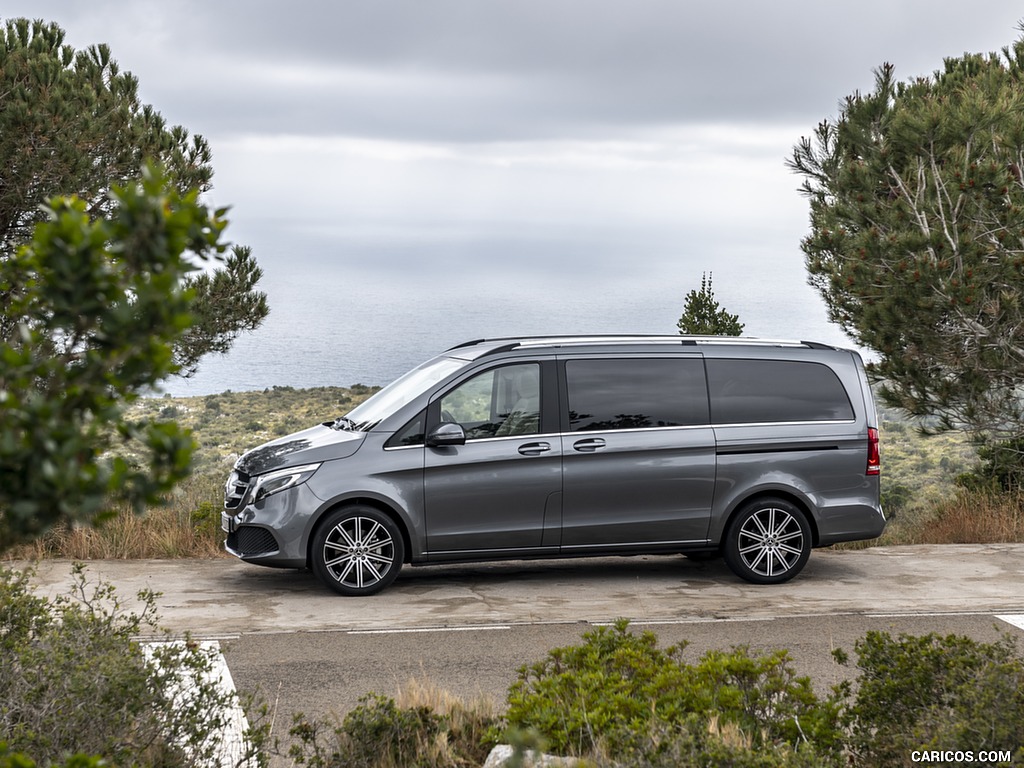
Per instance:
(571,446)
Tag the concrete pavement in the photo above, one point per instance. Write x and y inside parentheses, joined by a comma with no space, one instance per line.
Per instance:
(223,597)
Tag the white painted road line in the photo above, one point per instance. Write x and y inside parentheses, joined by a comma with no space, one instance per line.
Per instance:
(483,628)
(231,739)
(1017,621)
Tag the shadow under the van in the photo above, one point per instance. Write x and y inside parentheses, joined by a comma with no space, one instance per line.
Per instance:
(512,583)
(580,570)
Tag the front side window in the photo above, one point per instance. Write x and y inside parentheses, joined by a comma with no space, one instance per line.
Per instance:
(631,393)
(761,391)
(501,402)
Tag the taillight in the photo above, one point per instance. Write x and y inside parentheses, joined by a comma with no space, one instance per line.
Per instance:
(874,456)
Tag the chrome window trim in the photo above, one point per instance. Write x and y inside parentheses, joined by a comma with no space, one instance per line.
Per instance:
(782,423)
(713,426)
(681,427)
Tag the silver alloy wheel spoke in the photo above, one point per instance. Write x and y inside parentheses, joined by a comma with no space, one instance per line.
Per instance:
(348,569)
(770,542)
(359,552)
(343,559)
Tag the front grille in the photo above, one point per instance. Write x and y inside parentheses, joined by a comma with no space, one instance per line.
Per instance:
(236,489)
(249,540)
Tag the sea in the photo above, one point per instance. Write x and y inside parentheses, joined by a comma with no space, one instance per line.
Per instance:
(333,330)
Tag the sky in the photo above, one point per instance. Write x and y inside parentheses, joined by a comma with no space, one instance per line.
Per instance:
(572,142)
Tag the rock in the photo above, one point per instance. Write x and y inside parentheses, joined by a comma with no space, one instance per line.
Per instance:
(502,754)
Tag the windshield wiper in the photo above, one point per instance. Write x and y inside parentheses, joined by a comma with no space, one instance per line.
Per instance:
(344,422)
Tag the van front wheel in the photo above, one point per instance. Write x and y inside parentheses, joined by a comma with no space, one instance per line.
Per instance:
(357,551)
(768,542)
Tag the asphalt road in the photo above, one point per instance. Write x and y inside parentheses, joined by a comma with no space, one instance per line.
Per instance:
(325,673)
(468,628)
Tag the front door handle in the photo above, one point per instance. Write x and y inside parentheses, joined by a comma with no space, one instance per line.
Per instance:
(588,446)
(534,449)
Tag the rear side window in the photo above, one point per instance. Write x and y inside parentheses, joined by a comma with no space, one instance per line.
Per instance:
(757,391)
(631,393)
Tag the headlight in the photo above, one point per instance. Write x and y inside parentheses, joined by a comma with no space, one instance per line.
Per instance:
(281,480)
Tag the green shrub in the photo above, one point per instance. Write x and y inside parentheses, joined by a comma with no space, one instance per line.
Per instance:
(10,759)
(620,698)
(935,693)
(619,693)
(73,679)
(1000,468)
(378,726)
(206,519)
(697,746)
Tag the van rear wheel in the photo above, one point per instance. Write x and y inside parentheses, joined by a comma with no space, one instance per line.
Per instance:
(357,551)
(768,542)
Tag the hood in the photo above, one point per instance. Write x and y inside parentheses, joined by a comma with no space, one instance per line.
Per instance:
(319,443)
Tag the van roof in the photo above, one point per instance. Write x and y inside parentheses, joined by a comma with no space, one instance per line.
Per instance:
(482,347)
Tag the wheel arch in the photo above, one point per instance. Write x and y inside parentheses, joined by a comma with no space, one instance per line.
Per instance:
(771,493)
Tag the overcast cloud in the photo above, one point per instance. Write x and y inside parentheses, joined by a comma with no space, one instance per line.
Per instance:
(471,70)
(452,136)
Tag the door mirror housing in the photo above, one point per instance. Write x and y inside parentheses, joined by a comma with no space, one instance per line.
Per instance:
(446,434)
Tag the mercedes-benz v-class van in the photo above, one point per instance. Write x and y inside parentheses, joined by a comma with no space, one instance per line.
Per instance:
(570,446)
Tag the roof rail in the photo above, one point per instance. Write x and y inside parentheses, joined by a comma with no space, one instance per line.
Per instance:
(512,342)
(657,339)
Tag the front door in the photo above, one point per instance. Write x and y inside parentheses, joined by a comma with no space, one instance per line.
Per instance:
(500,492)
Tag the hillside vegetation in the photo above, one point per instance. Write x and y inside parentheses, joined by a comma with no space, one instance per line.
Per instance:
(224,426)
(921,494)
(228,424)
(919,488)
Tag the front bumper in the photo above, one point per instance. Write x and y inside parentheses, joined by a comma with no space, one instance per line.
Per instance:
(273,531)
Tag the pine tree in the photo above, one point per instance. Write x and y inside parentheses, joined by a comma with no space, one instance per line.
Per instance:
(71,123)
(917,236)
(702,316)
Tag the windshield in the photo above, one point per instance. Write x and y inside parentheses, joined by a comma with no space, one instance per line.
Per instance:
(398,393)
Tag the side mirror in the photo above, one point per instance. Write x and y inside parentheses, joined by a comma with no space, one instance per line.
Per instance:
(446,434)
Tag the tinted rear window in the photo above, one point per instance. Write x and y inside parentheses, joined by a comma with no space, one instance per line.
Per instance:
(630,393)
(753,391)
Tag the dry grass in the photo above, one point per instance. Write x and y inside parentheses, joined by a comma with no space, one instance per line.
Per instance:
(968,517)
(921,496)
(188,526)
(468,722)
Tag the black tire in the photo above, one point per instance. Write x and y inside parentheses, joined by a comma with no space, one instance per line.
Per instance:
(768,542)
(357,551)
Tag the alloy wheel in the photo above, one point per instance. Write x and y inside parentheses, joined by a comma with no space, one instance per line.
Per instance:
(358,552)
(771,542)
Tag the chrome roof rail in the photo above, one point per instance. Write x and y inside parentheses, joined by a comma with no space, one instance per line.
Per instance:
(512,342)
(653,339)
